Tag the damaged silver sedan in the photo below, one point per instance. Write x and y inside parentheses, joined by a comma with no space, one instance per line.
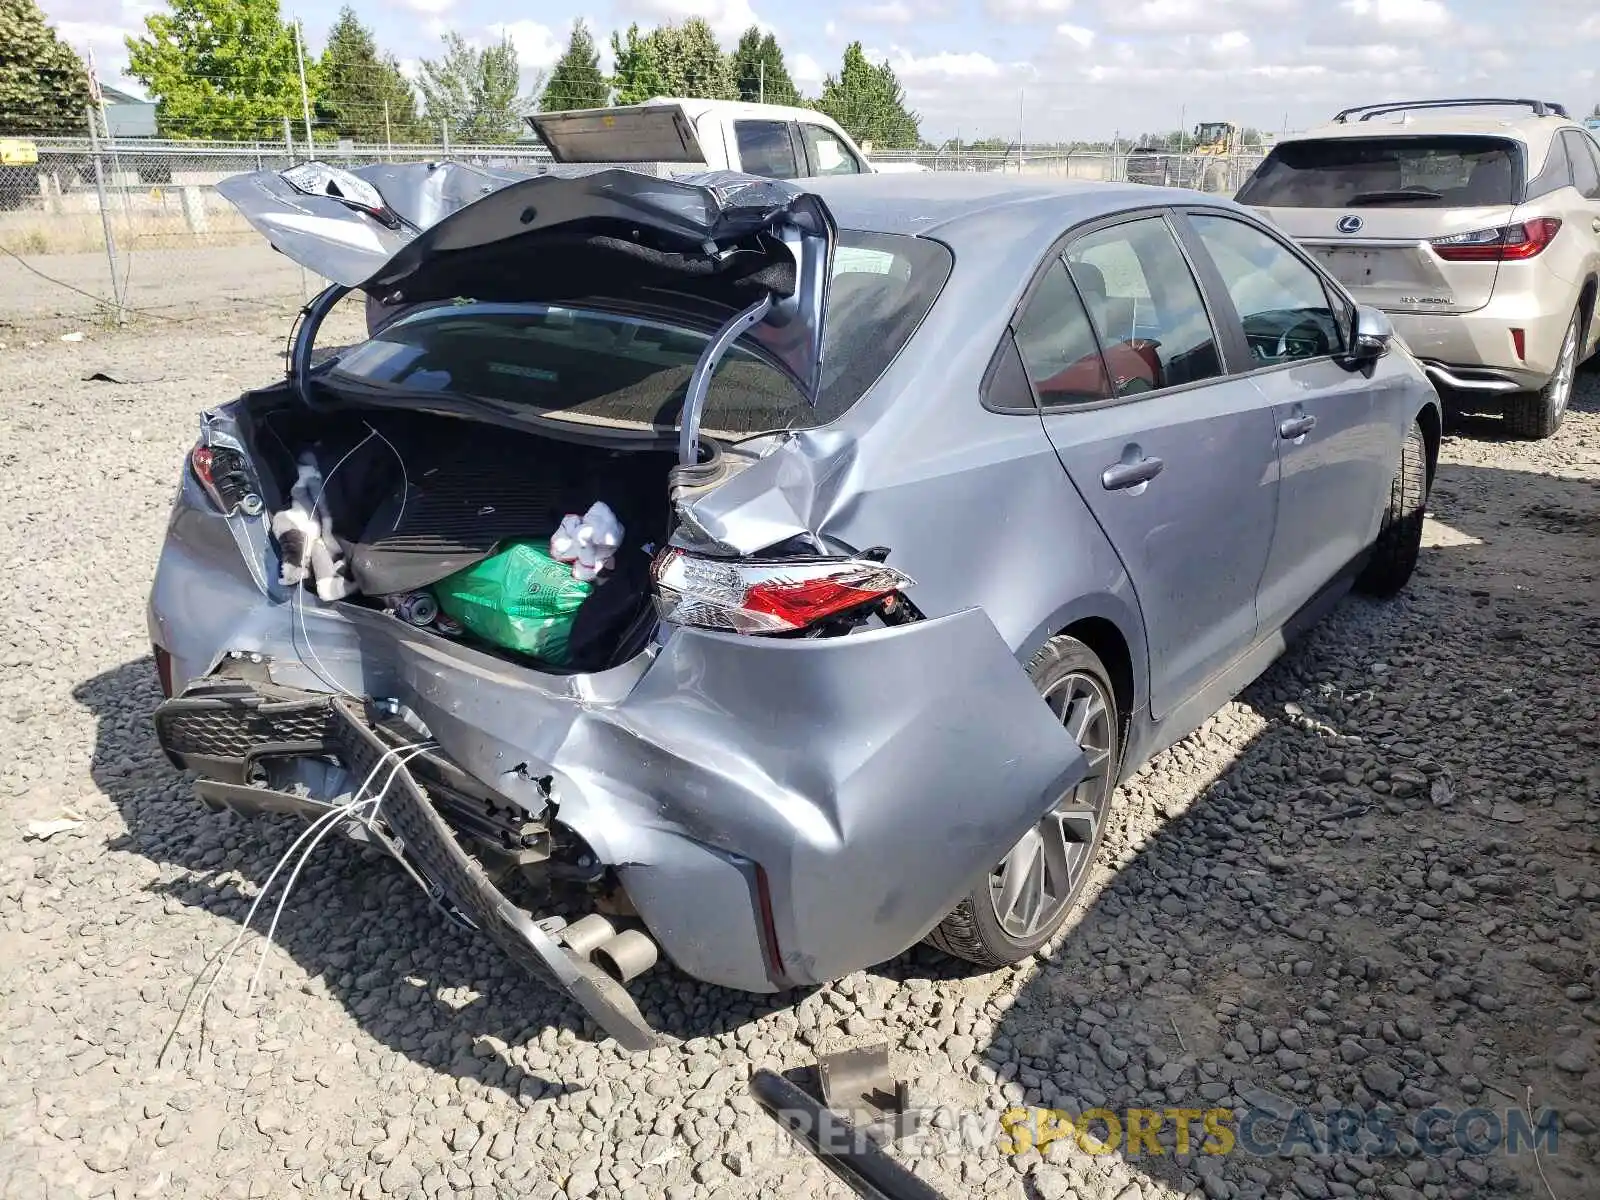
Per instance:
(779,576)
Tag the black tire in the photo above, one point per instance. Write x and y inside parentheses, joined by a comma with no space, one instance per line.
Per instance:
(1394,553)
(1537,415)
(974,930)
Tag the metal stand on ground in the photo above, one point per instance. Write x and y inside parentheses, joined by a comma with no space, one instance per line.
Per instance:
(105,217)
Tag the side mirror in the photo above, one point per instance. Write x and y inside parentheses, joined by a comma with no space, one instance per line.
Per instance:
(1370,334)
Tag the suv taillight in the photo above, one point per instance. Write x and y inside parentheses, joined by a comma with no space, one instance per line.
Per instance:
(1506,243)
(226,478)
(767,595)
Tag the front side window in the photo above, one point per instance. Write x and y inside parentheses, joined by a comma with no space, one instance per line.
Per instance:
(828,154)
(765,148)
(1280,300)
(1146,307)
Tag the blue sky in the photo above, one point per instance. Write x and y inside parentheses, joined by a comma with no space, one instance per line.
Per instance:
(1054,68)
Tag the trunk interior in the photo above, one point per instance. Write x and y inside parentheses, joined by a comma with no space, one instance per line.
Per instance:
(413,497)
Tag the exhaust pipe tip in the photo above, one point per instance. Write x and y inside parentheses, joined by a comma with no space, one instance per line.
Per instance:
(627,956)
(587,934)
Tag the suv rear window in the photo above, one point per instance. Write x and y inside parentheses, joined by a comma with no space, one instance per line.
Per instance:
(602,368)
(1396,172)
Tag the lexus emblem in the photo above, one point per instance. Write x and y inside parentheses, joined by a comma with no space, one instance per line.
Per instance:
(1350,223)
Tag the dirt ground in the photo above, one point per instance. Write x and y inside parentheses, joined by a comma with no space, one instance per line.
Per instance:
(1371,884)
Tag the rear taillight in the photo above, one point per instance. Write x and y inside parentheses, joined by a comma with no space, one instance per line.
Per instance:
(1506,243)
(226,478)
(773,595)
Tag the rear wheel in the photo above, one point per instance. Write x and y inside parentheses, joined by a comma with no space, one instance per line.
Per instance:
(1394,554)
(1028,896)
(1538,414)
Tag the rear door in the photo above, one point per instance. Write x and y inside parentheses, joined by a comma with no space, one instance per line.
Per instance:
(1177,461)
(1370,209)
(1338,431)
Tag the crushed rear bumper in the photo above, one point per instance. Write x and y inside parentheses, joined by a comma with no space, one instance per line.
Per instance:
(223,731)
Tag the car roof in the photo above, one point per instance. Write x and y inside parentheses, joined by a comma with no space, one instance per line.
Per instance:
(1534,132)
(958,206)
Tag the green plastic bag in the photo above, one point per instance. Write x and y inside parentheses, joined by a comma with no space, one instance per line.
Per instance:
(519,598)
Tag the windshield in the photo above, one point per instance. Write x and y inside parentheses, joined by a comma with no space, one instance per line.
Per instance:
(602,368)
(1396,172)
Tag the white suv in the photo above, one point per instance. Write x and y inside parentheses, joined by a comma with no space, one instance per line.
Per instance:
(1478,234)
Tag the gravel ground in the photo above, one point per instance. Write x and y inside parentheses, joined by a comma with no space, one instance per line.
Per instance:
(1370,882)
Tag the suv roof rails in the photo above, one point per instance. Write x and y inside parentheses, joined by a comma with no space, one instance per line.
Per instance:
(1541,108)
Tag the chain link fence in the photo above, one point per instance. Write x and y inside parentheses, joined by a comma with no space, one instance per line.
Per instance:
(105,230)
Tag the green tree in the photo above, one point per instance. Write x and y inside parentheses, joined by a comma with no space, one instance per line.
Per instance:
(759,71)
(635,76)
(576,81)
(475,93)
(44,89)
(220,68)
(869,102)
(363,95)
(689,62)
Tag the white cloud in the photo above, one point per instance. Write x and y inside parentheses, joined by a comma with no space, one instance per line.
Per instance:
(1076,34)
(890,12)
(538,46)
(430,7)
(1235,40)
(1400,17)
(935,68)
(1171,17)
(806,72)
(1027,10)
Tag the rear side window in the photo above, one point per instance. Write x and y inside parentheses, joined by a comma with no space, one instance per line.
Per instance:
(609,369)
(1585,175)
(1057,344)
(1145,306)
(765,148)
(1398,172)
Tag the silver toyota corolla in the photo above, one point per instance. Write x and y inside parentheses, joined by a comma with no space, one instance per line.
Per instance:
(764,578)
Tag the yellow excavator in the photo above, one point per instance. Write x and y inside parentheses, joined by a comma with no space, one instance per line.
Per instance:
(1221,142)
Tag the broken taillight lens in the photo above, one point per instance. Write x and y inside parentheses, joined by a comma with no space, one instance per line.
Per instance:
(1507,243)
(226,478)
(772,595)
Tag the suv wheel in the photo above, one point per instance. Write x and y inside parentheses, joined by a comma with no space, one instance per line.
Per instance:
(1538,414)
(1028,896)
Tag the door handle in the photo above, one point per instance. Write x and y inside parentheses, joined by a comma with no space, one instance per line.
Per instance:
(1296,427)
(1120,476)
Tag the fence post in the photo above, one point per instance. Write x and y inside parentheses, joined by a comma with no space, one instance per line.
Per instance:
(105,216)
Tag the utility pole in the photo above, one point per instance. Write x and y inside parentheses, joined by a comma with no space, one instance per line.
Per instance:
(1022,99)
(388,134)
(761,82)
(105,214)
(305,96)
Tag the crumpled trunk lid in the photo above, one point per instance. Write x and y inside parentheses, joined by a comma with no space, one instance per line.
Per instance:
(708,246)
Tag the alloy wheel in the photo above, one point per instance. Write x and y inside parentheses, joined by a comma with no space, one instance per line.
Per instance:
(1566,369)
(1044,871)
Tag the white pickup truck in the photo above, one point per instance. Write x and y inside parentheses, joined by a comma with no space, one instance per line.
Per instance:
(675,135)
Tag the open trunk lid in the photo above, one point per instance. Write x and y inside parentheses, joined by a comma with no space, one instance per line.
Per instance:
(637,133)
(1371,209)
(718,248)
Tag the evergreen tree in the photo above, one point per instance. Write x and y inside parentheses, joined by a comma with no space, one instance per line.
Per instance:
(689,62)
(577,81)
(635,76)
(44,89)
(869,102)
(364,96)
(475,93)
(759,71)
